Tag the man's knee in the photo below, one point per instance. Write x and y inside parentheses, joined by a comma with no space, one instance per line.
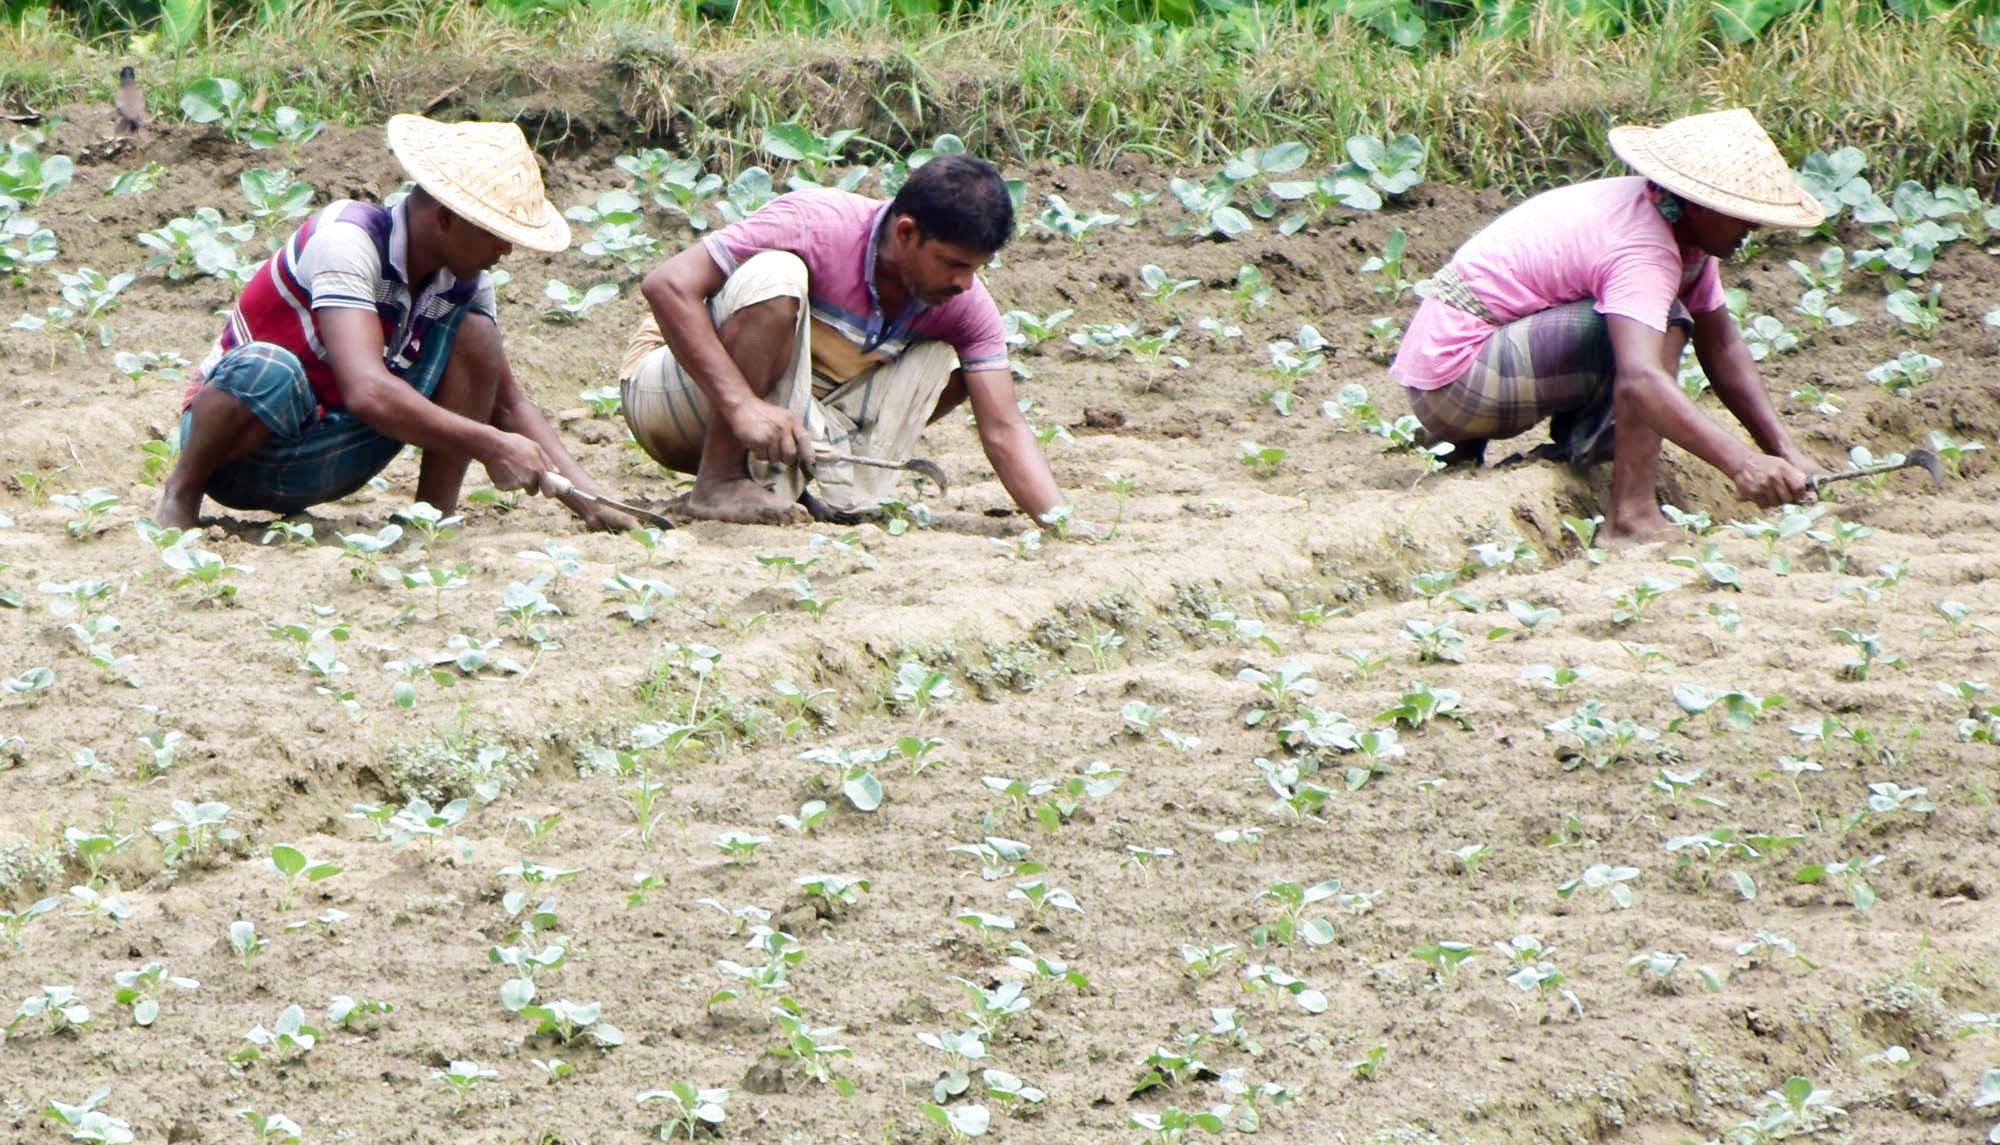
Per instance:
(268,381)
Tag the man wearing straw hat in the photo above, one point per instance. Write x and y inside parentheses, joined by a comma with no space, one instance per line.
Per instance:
(1576,305)
(828,323)
(373,327)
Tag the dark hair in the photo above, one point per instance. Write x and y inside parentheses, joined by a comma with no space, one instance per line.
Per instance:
(959,199)
(421,198)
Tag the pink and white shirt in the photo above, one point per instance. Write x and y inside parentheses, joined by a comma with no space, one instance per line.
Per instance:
(837,235)
(1603,240)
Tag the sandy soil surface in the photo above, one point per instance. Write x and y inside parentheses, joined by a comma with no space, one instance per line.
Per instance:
(1060,660)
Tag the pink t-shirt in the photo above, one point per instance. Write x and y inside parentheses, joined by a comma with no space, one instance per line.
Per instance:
(1603,240)
(836,233)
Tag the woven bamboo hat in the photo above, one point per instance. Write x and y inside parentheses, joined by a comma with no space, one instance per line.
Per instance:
(484,173)
(1723,161)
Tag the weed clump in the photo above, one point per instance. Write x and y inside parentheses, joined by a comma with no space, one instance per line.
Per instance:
(26,869)
(459,764)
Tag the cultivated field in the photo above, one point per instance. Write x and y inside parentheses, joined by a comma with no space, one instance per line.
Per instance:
(1369,805)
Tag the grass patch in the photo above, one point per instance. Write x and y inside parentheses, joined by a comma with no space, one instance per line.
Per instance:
(1035,79)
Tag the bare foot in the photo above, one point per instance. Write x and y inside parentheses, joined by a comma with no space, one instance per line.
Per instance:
(176,510)
(1627,529)
(742,501)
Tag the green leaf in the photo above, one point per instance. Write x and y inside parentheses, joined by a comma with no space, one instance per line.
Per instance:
(214,100)
(791,142)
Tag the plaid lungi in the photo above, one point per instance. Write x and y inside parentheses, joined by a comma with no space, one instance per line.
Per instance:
(1556,363)
(309,458)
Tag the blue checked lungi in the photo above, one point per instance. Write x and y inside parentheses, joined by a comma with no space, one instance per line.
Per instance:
(309,458)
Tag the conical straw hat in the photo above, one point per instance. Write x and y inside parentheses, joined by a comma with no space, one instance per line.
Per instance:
(1721,160)
(484,173)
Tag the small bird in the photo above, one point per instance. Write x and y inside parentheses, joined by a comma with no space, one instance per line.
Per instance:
(130,101)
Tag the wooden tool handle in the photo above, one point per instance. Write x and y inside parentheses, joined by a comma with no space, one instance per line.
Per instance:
(556,485)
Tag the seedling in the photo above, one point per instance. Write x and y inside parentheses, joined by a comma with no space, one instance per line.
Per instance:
(1176,1126)
(811,813)
(245,941)
(1445,957)
(1059,218)
(918,686)
(201,245)
(1868,653)
(1914,314)
(1904,372)
(1259,976)
(289,1036)
(834,890)
(58,1008)
(207,573)
(740,846)
(87,297)
(90,506)
(275,196)
(1418,705)
(1602,880)
(1392,166)
(1263,460)
(1557,681)
(86,1122)
(1135,203)
(853,772)
(689,1108)
(567,1021)
(571,304)
(463,1076)
(1388,264)
(815,154)
(808,1045)
(1629,605)
(1819,310)
(192,827)
(273,1127)
(290,864)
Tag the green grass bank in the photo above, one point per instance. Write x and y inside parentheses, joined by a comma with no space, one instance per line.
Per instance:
(1036,79)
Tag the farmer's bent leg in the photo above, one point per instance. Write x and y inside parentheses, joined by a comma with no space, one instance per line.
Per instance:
(1635,464)
(881,414)
(256,392)
(475,367)
(1551,362)
(762,319)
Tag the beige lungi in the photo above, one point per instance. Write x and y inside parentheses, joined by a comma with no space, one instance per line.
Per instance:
(878,413)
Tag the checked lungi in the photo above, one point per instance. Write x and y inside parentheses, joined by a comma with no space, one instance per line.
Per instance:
(1555,363)
(312,456)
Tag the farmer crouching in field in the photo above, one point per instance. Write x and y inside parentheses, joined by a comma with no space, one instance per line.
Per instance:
(373,327)
(1576,304)
(832,320)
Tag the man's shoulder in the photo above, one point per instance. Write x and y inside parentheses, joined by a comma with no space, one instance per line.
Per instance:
(349,221)
(831,202)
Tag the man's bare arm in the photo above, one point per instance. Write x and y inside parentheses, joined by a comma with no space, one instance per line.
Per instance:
(1730,369)
(388,405)
(1010,445)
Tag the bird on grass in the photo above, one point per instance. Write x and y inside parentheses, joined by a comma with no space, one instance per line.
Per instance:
(130,102)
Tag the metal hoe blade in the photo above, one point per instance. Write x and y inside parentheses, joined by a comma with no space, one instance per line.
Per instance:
(929,470)
(1922,459)
(556,485)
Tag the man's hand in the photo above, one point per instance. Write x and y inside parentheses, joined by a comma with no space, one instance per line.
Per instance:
(1769,481)
(516,462)
(602,518)
(771,433)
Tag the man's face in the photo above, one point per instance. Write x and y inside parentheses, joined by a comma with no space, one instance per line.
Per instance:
(932,270)
(469,249)
(1714,232)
